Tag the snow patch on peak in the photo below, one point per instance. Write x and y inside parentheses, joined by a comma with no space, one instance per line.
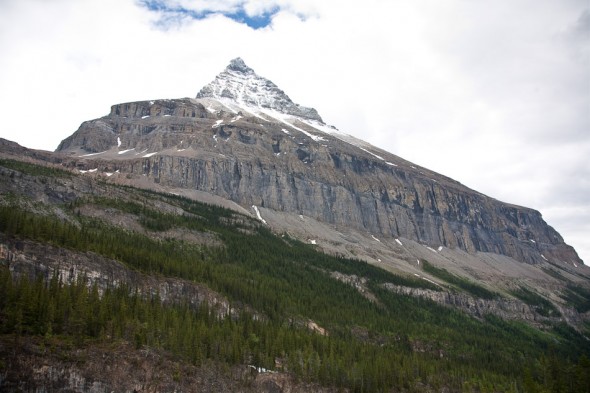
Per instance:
(241,84)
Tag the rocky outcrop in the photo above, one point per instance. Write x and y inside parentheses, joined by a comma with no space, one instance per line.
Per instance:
(31,259)
(358,283)
(137,125)
(505,308)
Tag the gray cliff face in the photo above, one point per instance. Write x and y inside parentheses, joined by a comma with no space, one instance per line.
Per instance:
(134,120)
(389,203)
(296,168)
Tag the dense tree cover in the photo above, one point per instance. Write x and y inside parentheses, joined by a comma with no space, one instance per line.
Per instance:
(79,311)
(540,304)
(459,282)
(579,298)
(75,310)
(396,342)
(32,169)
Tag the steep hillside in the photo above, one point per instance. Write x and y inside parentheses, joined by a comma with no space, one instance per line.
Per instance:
(156,281)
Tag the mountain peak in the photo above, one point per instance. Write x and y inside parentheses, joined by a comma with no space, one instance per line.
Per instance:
(241,85)
(238,65)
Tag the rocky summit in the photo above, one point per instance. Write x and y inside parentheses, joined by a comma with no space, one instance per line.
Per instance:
(239,84)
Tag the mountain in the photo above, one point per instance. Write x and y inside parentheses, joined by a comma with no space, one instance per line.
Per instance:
(242,143)
(331,262)
(244,140)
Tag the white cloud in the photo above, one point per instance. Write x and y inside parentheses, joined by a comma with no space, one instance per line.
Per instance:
(198,5)
(495,95)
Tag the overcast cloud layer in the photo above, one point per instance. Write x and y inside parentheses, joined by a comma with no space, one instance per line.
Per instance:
(495,94)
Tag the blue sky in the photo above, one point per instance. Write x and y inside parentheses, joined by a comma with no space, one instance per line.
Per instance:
(172,13)
(493,94)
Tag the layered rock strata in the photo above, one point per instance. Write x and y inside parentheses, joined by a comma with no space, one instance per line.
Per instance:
(270,155)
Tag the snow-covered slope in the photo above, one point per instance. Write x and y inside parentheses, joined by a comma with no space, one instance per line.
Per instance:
(239,84)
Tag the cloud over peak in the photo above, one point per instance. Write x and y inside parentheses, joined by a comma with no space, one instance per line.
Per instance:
(254,14)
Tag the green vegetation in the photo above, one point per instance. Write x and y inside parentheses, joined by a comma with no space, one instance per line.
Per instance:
(32,169)
(273,274)
(78,311)
(554,273)
(539,303)
(407,342)
(578,297)
(459,282)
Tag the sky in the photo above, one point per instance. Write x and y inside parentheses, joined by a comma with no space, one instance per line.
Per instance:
(495,94)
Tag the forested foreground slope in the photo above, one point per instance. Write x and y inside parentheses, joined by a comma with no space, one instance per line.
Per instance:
(177,295)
